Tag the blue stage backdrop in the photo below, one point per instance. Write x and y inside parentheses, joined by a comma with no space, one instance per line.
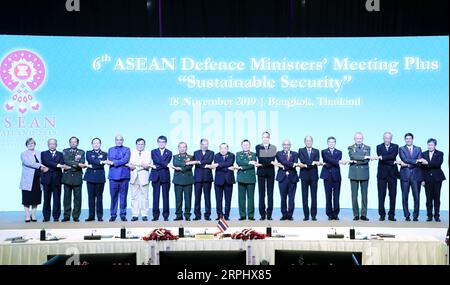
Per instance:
(225,90)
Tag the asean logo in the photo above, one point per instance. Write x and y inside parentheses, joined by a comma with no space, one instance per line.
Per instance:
(22,72)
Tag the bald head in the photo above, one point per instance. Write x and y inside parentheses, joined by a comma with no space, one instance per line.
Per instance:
(119,140)
(286,145)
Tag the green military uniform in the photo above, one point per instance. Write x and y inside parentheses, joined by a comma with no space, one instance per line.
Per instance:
(73,181)
(183,180)
(246,178)
(359,175)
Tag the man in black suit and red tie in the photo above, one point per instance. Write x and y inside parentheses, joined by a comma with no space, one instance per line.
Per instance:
(51,180)
(309,175)
(387,175)
(432,160)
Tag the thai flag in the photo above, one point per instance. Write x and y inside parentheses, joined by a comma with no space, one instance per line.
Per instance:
(222,225)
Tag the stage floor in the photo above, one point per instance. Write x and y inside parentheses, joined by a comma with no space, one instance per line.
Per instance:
(414,243)
(15,220)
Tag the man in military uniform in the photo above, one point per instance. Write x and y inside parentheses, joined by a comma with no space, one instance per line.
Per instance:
(359,174)
(73,180)
(183,179)
(246,178)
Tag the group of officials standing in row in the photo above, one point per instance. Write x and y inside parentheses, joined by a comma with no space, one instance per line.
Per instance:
(137,168)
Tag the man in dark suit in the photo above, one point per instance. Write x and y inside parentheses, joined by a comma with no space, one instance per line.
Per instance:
(203,158)
(160,178)
(51,180)
(223,180)
(309,175)
(331,175)
(266,153)
(432,160)
(387,175)
(73,180)
(95,179)
(287,179)
(410,175)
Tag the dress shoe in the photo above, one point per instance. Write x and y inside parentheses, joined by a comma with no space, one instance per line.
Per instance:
(382,219)
(178,219)
(364,218)
(197,219)
(437,219)
(100,219)
(283,219)
(187,219)
(33,220)
(134,219)
(45,220)
(408,219)
(218,218)
(269,218)
(251,219)
(76,220)
(262,218)
(305,219)
(290,219)
(124,219)
(89,220)
(241,219)
(356,218)
(154,219)
(207,219)
(429,219)
(112,219)
(166,219)
(392,219)
(65,220)
(330,218)
(56,220)
(415,219)
(27,221)
(144,218)
(314,219)
(227,218)
(336,218)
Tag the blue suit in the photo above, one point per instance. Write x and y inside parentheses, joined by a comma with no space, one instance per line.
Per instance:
(287,182)
(410,177)
(119,176)
(309,177)
(95,180)
(160,178)
(51,182)
(223,183)
(203,180)
(331,175)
